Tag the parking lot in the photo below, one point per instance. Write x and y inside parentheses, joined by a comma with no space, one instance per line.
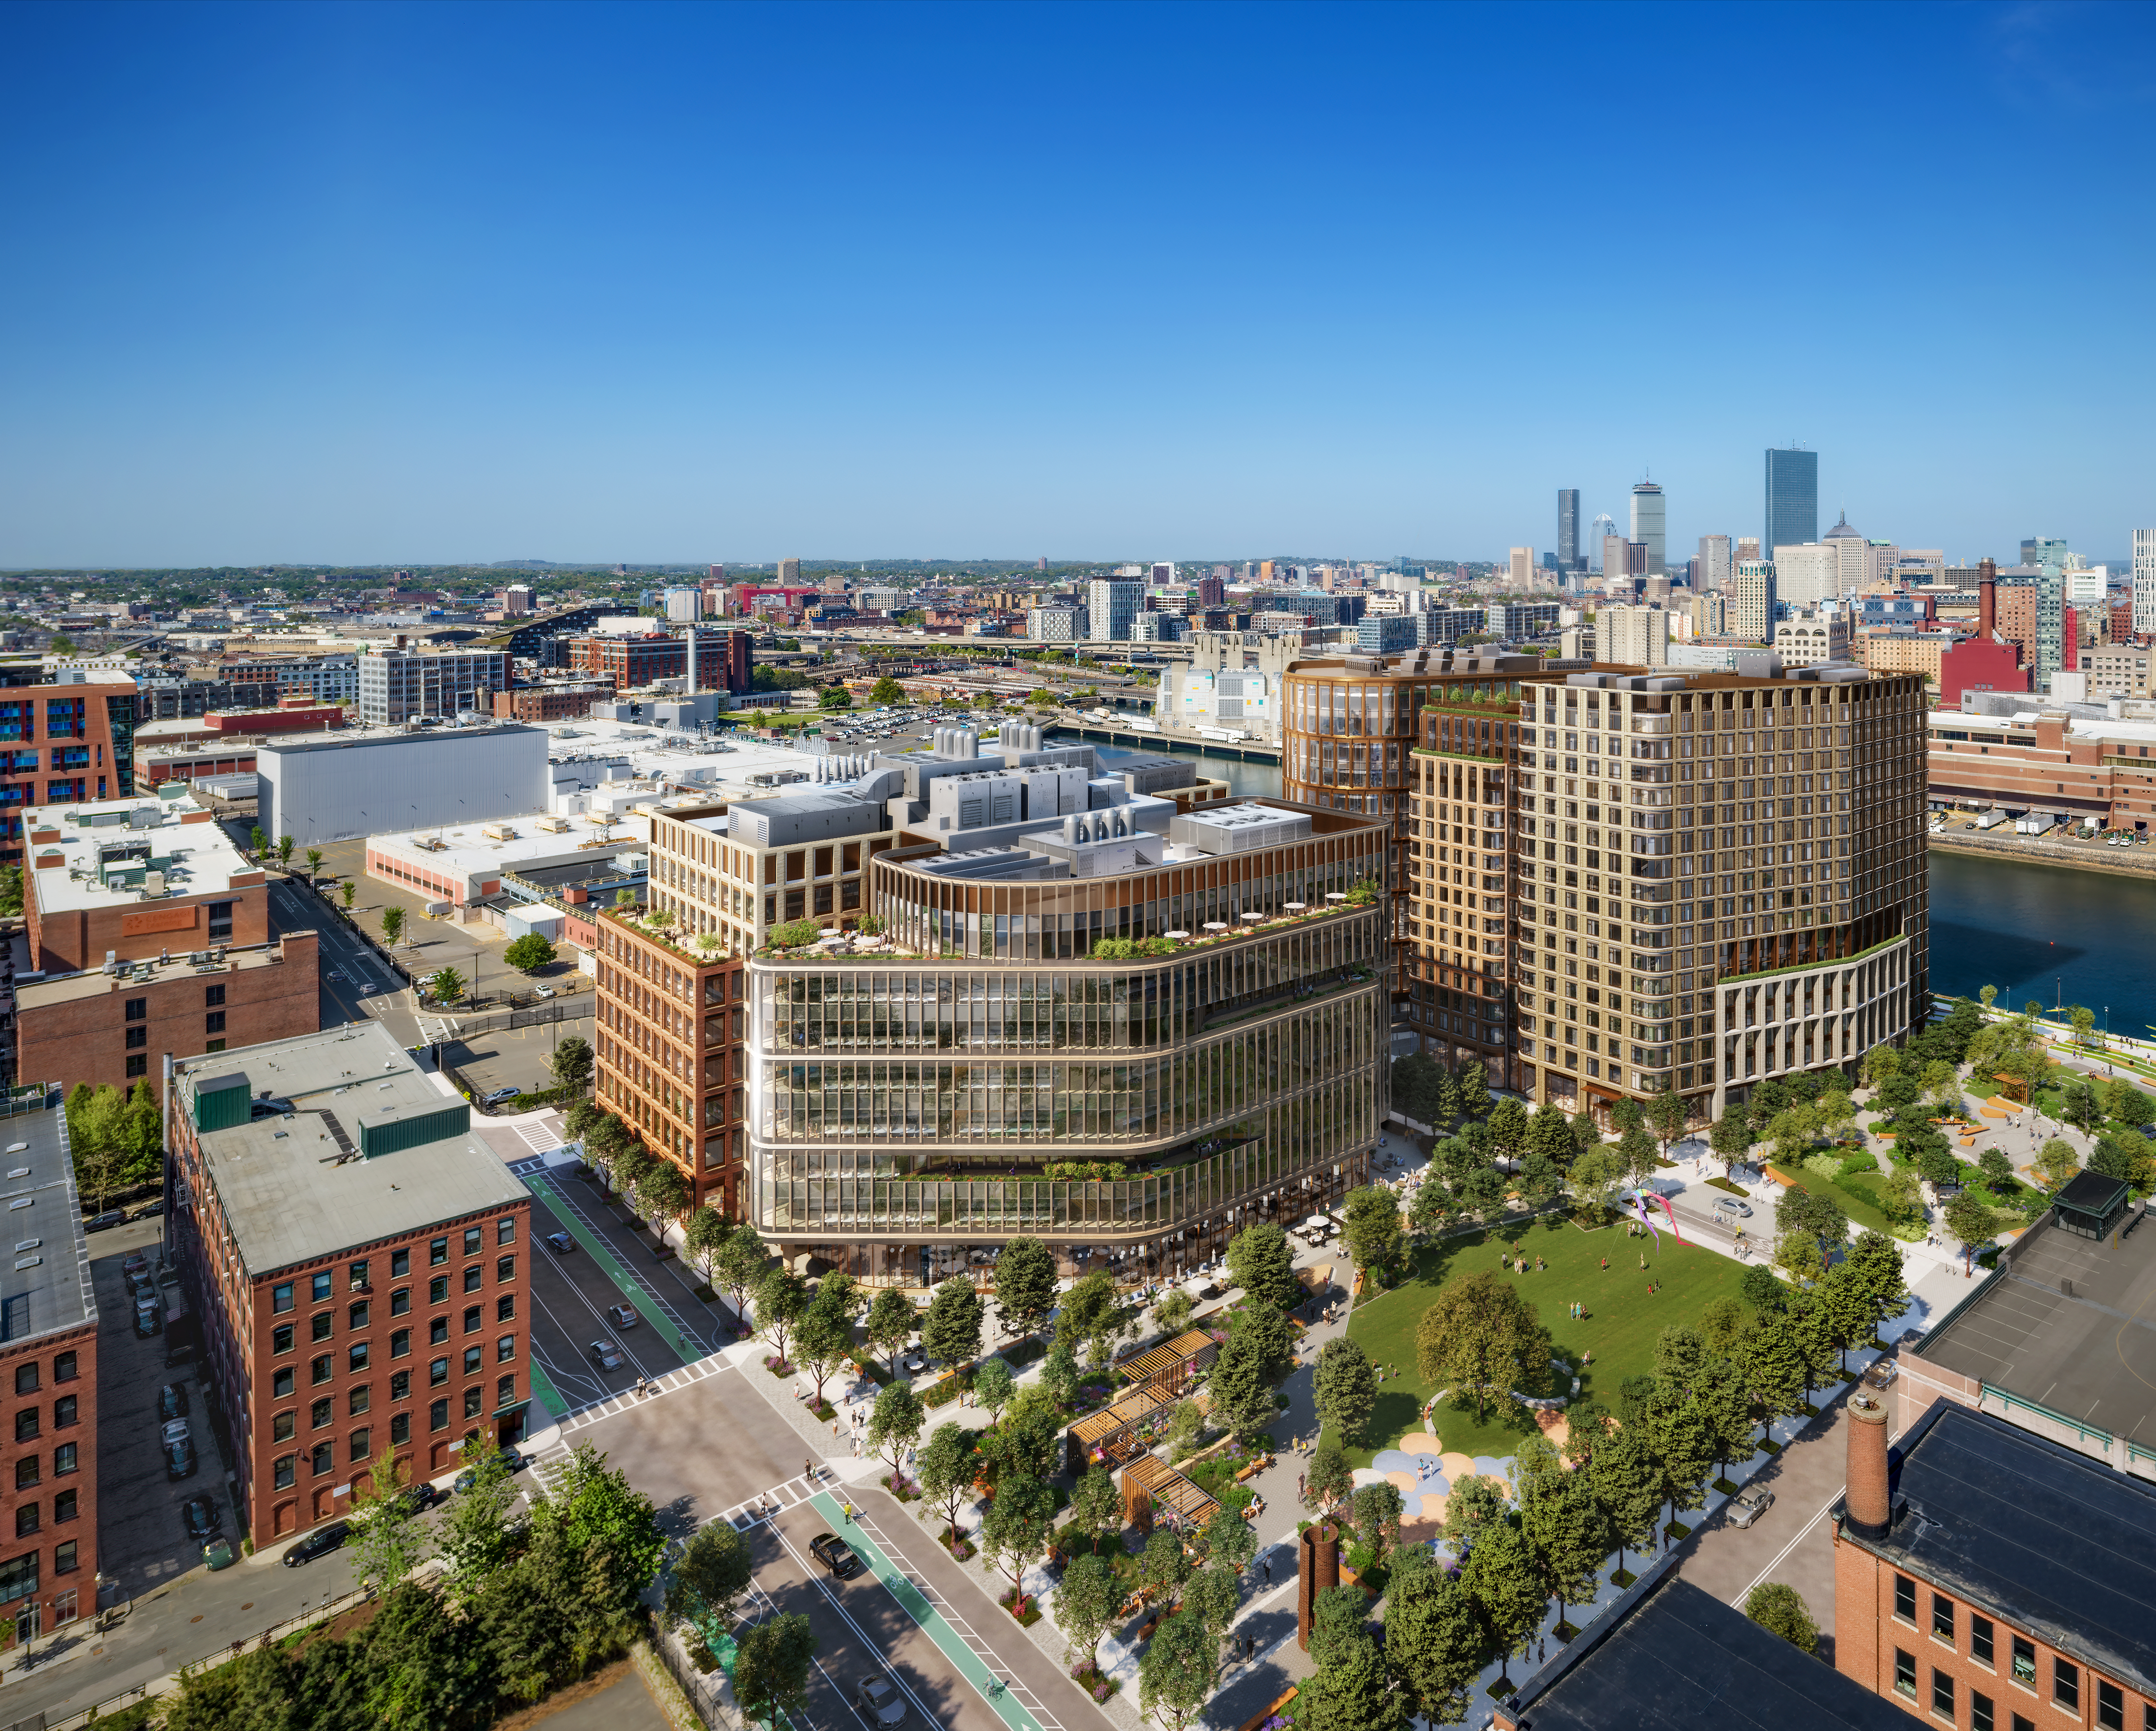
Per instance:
(513,1058)
(142,1542)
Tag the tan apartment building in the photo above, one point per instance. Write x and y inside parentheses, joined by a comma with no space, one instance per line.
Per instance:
(1720,878)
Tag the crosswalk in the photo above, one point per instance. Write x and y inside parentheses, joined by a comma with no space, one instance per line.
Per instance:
(607,1406)
(792,1494)
(539,1136)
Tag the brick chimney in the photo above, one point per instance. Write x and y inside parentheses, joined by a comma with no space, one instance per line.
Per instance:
(1987,599)
(1870,1501)
(1318,1568)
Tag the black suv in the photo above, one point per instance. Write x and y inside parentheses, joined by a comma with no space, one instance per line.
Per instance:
(320,1543)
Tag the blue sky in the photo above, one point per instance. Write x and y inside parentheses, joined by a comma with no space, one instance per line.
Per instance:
(427,283)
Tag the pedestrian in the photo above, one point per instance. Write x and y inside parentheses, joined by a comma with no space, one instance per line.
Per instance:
(1605,1265)
(1301,1484)
(1268,1571)
(808,1469)
(850,1512)
(1541,1650)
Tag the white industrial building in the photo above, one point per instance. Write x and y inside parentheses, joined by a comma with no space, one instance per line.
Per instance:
(338,786)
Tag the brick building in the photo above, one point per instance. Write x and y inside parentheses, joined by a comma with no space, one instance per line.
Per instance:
(61,744)
(1975,664)
(359,1264)
(48,1384)
(669,1045)
(551,703)
(2079,767)
(1988,1578)
(723,660)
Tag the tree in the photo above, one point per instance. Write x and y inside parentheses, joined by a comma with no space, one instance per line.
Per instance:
(1370,1226)
(1186,1423)
(704,1237)
(1773,1369)
(1162,1567)
(1086,1600)
(1596,1173)
(1666,1113)
(1473,1091)
(1345,1388)
(1328,1477)
(1627,1114)
(1816,1330)
(1500,1573)
(890,1323)
(286,844)
(1212,1596)
(478,1535)
(1846,1308)
(951,1332)
(595,1513)
(895,1422)
(571,1064)
(1435,1640)
(417,1668)
(1765,1294)
(2084,1023)
(1549,1135)
(1636,1149)
(1626,1487)
(823,1341)
(1782,1610)
(946,1469)
(1475,1502)
(1683,1445)
(445,985)
(708,1581)
(1087,1318)
(1540,1178)
(1242,1395)
(1508,1125)
(1096,1505)
(1176,1672)
(780,1296)
(257,841)
(1229,1542)
(1352,1691)
(1878,1260)
(887,690)
(993,1386)
(1720,1324)
(95,1126)
(347,893)
(392,922)
(739,1266)
(1059,1374)
(529,953)
(2058,1163)
(1971,1221)
(10,891)
(1260,1263)
(1377,1512)
(387,1542)
(771,1669)
(313,866)
(1731,1138)
(1569,1535)
(1416,1088)
(663,1195)
(1725,1405)
(1173,1314)
(1016,1524)
(1482,1338)
(1025,1284)
(835,697)
(141,1136)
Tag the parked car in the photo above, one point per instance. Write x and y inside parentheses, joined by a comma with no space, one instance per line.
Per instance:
(622,1316)
(1882,1372)
(217,1554)
(147,1211)
(179,1460)
(878,1698)
(149,1316)
(1747,1506)
(510,1458)
(103,1222)
(561,1242)
(495,1096)
(173,1401)
(202,1520)
(173,1431)
(606,1355)
(835,1555)
(544,992)
(136,1265)
(1732,1207)
(320,1543)
(418,1498)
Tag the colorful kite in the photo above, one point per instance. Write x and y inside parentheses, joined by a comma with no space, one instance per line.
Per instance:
(1635,1203)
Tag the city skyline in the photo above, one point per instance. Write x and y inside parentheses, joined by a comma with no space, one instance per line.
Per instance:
(435,285)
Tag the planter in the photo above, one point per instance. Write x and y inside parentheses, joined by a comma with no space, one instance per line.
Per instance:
(1025,1608)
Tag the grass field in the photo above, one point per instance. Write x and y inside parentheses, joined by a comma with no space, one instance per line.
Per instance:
(1620,1327)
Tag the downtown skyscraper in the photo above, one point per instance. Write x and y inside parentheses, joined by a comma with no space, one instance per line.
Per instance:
(1792,500)
(1568,555)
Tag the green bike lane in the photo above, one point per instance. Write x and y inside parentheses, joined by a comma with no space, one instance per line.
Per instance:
(656,1309)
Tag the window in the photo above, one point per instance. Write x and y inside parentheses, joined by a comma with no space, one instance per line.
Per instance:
(213,1023)
(400,1386)
(280,1296)
(282,1427)
(358,1315)
(280,1337)
(400,1302)
(214,1045)
(64,1557)
(437,1289)
(471,1318)
(1943,1618)
(504,1350)
(321,1413)
(138,1037)
(2110,1701)
(1904,1673)
(64,1459)
(358,1448)
(26,1424)
(505,1269)
(505,1231)
(323,1368)
(437,1373)
(1980,1718)
(26,1378)
(400,1428)
(64,1412)
(358,1400)
(438,1416)
(138,1064)
(280,1382)
(321,1325)
(220,922)
(2024,1724)
(400,1343)
(65,1506)
(19,1578)
(282,1472)
(472,1359)
(64,1368)
(474,1276)
(137,1009)
(1942,1701)
(2025,1661)
(504,1308)
(1905,1599)
(356,1355)
(438,1251)
(324,1459)
(28,1468)
(438,1331)
(400,1264)
(2066,1685)
(26,1515)
(1979,1639)
(358,1275)
(213,997)
(475,1400)
(504,1391)
(471,1240)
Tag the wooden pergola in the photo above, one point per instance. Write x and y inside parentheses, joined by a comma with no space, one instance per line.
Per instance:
(1151,1489)
(1111,1434)
(1168,1367)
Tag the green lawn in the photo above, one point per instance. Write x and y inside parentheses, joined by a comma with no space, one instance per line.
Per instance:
(1858,1195)
(1620,1327)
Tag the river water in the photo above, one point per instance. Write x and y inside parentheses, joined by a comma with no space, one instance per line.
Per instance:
(2043,931)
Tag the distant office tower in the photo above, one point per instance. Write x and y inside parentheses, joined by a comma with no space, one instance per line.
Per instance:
(789,572)
(1806,575)
(2051,620)
(1600,531)
(1615,563)
(2044,550)
(1567,530)
(1716,563)
(1751,601)
(1521,573)
(1747,549)
(1111,605)
(1637,557)
(718,574)
(1792,500)
(2145,580)
(1647,523)
(1163,573)
(1212,591)
(1637,636)
(682,606)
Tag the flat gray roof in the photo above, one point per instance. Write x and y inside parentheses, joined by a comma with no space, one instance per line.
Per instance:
(2092,1356)
(44,1284)
(285,1195)
(353,738)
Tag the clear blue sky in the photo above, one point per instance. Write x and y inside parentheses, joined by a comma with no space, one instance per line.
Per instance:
(376,282)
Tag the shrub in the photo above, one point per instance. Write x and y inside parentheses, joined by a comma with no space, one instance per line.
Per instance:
(794,933)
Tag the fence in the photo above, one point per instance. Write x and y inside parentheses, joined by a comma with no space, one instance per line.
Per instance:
(703,1692)
(536,1015)
(2084,1433)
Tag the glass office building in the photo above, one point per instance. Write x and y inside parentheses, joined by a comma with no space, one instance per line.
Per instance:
(1792,500)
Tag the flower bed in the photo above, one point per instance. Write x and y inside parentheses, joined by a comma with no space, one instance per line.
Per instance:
(962,1548)
(900,1486)
(776,1365)
(1089,1677)
(944,1390)
(824,1411)
(1024,1607)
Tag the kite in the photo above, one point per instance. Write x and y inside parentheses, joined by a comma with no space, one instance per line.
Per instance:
(1635,1203)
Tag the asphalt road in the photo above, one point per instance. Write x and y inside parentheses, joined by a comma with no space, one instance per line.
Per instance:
(570,1296)
(355,986)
